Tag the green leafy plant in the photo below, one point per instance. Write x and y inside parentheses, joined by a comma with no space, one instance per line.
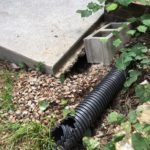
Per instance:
(90,143)
(133,76)
(40,67)
(111,7)
(68,111)
(143,92)
(139,142)
(64,102)
(35,135)
(115,117)
(132,116)
(117,42)
(137,56)
(62,78)
(111,145)
(43,105)
(6,92)
(22,66)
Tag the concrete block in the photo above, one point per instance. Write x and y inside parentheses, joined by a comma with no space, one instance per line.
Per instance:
(99,47)
(121,28)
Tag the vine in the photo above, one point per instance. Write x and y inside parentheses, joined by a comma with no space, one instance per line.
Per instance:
(137,55)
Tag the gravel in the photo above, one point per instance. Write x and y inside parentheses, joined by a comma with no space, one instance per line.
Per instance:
(32,87)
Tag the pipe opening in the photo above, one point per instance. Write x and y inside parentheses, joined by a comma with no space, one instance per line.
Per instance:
(63,131)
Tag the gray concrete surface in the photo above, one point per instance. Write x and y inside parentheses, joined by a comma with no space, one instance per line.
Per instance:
(41,30)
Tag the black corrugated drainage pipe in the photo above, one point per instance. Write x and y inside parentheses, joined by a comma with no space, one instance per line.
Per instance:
(71,130)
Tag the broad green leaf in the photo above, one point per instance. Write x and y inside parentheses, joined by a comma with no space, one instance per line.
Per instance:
(111,145)
(139,127)
(126,126)
(93,6)
(43,105)
(132,116)
(90,143)
(146,19)
(144,49)
(144,2)
(146,129)
(85,13)
(121,64)
(118,138)
(111,7)
(64,102)
(131,32)
(143,92)
(117,42)
(115,117)
(142,28)
(139,142)
(145,61)
(124,2)
(133,76)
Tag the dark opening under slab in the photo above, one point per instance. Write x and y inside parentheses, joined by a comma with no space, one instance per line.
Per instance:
(114,26)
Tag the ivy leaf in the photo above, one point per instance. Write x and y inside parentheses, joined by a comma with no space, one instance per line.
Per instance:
(124,2)
(132,116)
(90,143)
(63,102)
(93,6)
(133,76)
(43,105)
(111,7)
(131,32)
(115,117)
(85,13)
(139,142)
(126,126)
(143,92)
(139,127)
(117,42)
(120,64)
(111,145)
(146,19)
(142,28)
(144,49)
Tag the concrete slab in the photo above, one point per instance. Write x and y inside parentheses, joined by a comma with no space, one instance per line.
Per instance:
(34,31)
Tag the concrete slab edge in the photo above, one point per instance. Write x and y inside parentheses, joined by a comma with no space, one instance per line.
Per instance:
(14,57)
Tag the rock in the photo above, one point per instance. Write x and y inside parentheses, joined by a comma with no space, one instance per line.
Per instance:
(145,114)
(124,145)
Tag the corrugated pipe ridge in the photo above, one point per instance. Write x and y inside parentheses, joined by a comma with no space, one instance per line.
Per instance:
(71,130)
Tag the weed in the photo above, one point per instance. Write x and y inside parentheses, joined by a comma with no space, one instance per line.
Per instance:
(90,143)
(31,135)
(22,66)
(40,67)
(6,92)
